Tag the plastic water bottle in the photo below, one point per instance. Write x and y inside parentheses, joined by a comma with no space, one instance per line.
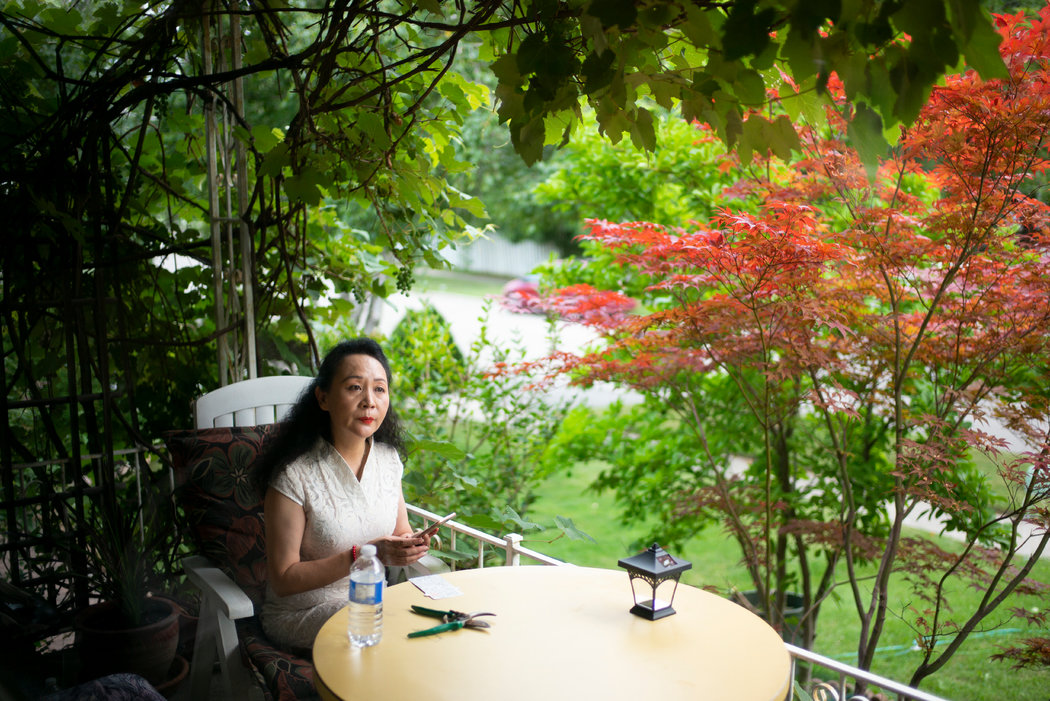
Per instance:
(367,576)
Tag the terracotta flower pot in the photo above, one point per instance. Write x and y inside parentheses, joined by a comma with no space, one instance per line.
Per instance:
(187,626)
(180,669)
(106,646)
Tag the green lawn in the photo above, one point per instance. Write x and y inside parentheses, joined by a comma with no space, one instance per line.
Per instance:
(970,676)
(1002,494)
(459,283)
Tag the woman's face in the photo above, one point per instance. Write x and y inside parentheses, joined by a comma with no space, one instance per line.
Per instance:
(358,398)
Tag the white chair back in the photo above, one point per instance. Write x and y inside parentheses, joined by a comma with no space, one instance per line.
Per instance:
(261,400)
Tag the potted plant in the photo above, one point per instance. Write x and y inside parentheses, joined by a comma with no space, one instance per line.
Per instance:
(128,629)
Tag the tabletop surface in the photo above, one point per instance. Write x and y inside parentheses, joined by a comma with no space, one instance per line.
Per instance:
(559,633)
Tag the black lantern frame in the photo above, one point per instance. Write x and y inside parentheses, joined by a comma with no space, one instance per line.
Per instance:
(654,566)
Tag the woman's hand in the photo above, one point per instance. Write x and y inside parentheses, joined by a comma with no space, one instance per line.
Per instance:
(398,551)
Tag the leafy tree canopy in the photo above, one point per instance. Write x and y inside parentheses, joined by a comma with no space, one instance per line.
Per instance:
(716,61)
(350,118)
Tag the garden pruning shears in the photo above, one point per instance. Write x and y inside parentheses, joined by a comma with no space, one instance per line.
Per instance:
(452,620)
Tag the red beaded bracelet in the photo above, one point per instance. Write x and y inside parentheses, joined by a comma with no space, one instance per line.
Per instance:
(353,554)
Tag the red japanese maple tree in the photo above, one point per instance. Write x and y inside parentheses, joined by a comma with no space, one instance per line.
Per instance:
(871,327)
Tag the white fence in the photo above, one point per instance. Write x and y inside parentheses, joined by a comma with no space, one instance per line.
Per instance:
(495,255)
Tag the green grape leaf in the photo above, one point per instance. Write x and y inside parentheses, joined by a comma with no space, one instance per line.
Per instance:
(569,528)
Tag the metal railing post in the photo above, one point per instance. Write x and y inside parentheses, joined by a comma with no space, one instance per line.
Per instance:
(513,555)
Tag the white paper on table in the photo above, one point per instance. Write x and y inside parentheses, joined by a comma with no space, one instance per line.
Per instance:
(435,586)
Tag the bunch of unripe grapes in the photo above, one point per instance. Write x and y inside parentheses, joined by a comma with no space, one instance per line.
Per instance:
(404,279)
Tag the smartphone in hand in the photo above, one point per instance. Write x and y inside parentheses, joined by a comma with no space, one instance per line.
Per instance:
(432,528)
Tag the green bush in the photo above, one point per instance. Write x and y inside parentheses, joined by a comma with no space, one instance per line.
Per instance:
(478,430)
(431,362)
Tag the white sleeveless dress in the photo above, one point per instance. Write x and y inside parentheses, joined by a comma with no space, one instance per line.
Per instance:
(340,512)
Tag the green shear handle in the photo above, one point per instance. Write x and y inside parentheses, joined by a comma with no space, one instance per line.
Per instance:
(451,625)
(452,620)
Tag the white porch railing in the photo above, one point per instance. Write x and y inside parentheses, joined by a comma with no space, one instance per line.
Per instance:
(513,551)
(839,691)
(510,544)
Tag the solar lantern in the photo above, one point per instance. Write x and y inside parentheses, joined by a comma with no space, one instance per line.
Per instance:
(648,570)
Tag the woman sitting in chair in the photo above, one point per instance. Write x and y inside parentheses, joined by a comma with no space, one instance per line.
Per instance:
(332,480)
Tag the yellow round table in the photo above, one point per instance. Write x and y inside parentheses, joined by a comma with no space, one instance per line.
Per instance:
(558,633)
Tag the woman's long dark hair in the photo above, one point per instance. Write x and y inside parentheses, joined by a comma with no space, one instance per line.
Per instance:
(306,421)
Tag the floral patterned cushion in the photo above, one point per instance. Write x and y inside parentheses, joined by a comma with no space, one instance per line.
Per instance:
(223,512)
(285,675)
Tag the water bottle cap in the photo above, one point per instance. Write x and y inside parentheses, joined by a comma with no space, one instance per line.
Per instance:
(368,550)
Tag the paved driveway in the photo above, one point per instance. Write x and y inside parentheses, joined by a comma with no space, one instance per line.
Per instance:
(530,332)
